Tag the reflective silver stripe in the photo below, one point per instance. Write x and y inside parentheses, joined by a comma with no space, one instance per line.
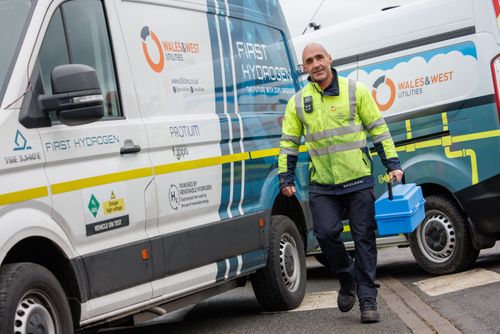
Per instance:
(289,151)
(298,105)
(300,112)
(352,101)
(382,137)
(375,124)
(293,139)
(334,132)
(337,148)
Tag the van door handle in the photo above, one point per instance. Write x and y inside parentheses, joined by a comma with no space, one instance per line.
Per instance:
(129,147)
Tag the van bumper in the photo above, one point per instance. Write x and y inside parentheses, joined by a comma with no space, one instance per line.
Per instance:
(482,204)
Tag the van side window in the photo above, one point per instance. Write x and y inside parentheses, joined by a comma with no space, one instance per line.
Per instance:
(77,34)
(54,50)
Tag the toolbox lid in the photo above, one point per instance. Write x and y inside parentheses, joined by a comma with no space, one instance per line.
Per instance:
(406,200)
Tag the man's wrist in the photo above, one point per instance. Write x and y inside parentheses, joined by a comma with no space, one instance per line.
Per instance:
(284,185)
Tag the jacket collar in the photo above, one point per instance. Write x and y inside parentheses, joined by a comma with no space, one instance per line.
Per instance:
(333,87)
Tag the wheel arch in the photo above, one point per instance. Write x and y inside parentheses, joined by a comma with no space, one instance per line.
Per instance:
(29,235)
(443,179)
(46,253)
(429,189)
(436,173)
(432,183)
(282,205)
(292,208)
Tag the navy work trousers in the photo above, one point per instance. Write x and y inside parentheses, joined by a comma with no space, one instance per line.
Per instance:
(327,215)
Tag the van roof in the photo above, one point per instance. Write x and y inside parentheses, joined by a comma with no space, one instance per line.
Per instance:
(266,12)
(392,27)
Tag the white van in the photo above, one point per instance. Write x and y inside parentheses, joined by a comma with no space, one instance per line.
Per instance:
(139,159)
(433,69)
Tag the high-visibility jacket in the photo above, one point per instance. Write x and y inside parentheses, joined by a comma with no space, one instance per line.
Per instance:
(334,130)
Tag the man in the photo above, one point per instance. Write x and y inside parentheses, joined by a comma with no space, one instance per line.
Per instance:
(333,113)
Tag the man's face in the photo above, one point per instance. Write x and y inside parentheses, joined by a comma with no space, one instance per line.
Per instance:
(317,63)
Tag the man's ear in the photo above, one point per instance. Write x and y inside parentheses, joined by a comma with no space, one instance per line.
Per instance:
(330,58)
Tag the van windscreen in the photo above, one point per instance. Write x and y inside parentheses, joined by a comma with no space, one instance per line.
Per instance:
(14,15)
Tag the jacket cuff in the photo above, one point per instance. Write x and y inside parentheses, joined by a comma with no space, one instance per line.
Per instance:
(393,164)
(286,179)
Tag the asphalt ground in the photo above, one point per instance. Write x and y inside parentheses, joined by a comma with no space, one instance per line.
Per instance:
(410,301)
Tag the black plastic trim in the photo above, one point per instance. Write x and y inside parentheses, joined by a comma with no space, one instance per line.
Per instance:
(480,202)
(122,267)
(421,138)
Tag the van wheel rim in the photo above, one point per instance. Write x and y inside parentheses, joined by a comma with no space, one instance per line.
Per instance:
(437,237)
(289,262)
(33,315)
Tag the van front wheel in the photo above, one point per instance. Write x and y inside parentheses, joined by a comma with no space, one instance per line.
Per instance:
(281,285)
(441,244)
(32,301)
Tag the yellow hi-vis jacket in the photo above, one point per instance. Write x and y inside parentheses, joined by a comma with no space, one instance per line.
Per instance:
(335,137)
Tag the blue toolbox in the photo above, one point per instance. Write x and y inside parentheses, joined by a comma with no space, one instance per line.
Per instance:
(400,209)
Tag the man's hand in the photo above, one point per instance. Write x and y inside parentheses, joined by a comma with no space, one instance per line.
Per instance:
(288,191)
(396,174)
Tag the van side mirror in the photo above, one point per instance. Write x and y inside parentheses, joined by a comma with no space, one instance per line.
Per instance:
(77,97)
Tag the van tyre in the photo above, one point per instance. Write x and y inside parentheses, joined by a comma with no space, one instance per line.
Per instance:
(441,244)
(32,301)
(281,285)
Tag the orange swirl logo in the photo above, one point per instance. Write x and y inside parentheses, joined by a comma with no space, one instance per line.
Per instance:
(158,66)
(392,97)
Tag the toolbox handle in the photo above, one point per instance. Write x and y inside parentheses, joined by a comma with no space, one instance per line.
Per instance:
(389,186)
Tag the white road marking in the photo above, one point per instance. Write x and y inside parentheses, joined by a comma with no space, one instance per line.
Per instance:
(450,283)
(317,301)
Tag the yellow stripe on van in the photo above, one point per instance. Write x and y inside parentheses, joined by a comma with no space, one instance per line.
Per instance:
(408,129)
(476,136)
(63,187)
(200,163)
(271,152)
(428,143)
(23,195)
(264,153)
